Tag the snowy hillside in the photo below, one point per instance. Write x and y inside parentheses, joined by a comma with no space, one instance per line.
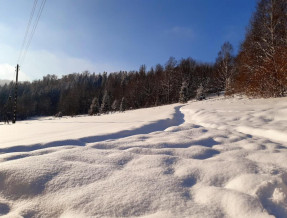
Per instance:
(214,158)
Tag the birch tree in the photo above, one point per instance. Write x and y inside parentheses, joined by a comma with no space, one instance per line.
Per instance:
(224,66)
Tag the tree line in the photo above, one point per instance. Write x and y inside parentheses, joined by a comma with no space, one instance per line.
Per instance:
(262,60)
(82,93)
(258,70)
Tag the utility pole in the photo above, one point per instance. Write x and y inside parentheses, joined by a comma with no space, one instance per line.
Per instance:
(15,95)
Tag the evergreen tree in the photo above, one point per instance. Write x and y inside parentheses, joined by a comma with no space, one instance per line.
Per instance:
(200,93)
(183,94)
(115,105)
(123,105)
(95,107)
(106,104)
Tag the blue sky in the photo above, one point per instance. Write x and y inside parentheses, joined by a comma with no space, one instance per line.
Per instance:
(112,35)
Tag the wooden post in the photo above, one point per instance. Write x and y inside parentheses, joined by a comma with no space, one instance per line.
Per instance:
(15,96)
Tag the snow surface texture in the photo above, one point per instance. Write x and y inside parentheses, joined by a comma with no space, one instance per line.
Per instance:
(215,158)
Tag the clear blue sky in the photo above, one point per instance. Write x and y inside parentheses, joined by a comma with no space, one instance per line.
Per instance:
(113,35)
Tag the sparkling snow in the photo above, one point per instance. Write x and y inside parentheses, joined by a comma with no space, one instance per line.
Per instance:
(223,157)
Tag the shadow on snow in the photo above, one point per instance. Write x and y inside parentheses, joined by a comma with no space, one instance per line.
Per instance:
(160,125)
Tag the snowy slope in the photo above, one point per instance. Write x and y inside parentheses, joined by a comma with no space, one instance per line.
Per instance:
(214,158)
(79,130)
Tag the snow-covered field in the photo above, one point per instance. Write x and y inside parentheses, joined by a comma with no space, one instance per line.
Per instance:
(214,158)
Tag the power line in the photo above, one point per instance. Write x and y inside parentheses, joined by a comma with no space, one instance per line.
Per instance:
(27,29)
(33,31)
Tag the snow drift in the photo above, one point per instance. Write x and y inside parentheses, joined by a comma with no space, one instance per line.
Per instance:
(215,158)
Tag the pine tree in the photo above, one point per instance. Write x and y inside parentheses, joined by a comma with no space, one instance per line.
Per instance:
(106,104)
(123,105)
(183,94)
(95,107)
(200,93)
(115,105)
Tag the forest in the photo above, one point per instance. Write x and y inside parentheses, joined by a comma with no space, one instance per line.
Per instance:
(259,69)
